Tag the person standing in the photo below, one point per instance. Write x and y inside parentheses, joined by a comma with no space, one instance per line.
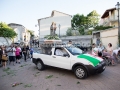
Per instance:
(11,53)
(20,51)
(17,52)
(33,42)
(0,55)
(5,55)
(24,50)
(100,49)
(94,49)
(38,43)
(27,48)
(31,52)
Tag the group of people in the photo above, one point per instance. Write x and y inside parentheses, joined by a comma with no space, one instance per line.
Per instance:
(14,53)
(35,43)
(113,55)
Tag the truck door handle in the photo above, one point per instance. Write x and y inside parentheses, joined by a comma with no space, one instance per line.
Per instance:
(54,57)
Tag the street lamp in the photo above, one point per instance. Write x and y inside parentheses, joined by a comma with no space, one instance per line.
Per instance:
(117,8)
(59,29)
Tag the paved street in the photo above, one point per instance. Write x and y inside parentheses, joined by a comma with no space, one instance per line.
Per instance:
(56,79)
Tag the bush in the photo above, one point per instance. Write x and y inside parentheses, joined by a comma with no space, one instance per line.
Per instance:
(101,27)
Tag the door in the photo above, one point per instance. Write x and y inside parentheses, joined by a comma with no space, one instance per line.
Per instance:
(59,60)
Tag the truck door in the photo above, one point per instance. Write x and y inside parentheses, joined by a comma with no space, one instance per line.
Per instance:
(61,58)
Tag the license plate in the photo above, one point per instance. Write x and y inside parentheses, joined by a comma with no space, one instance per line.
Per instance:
(104,67)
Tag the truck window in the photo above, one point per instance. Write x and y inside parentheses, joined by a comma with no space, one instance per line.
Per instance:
(46,50)
(60,51)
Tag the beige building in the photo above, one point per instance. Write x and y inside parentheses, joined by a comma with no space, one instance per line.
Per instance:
(110,18)
(22,34)
(106,36)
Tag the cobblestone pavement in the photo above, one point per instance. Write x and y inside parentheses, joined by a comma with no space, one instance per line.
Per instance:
(56,79)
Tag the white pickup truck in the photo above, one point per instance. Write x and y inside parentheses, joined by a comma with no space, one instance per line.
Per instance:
(70,58)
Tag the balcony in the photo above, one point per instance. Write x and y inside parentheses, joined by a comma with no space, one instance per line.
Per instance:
(108,20)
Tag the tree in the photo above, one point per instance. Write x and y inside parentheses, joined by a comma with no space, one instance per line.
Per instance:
(31,33)
(78,21)
(89,32)
(6,31)
(69,32)
(102,27)
(81,22)
(93,18)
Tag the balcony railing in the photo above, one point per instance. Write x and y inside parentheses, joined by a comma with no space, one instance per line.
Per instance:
(109,19)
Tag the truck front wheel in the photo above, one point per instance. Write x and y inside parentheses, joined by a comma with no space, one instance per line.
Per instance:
(80,72)
(40,65)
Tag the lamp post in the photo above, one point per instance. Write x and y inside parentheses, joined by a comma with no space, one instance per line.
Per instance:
(59,29)
(117,8)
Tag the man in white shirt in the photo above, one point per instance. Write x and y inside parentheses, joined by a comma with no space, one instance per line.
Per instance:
(11,53)
(60,52)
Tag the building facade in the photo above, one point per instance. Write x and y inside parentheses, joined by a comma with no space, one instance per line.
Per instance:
(62,21)
(106,36)
(110,18)
(22,34)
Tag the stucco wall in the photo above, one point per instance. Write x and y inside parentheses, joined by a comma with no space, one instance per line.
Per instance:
(58,18)
(21,32)
(84,40)
(110,36)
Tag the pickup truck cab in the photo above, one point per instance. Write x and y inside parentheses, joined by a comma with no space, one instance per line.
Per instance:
(70,58)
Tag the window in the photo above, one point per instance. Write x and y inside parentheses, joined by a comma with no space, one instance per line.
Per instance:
(74,50)
(60,51)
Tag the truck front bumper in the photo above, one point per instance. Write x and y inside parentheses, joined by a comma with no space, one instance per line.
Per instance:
(97,69)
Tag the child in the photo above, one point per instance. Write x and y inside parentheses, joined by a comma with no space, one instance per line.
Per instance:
(31,52)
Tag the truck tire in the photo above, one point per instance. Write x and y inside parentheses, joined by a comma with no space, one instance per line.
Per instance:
(80,72)
(40,65)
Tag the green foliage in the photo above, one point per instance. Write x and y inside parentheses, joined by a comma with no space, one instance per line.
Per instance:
(69,32)
(49,37)
(89,32)
(102,27)
(81,22)
(81,30)
(31,33)
(6,31)
(93,18)
(49,76)
(98,28)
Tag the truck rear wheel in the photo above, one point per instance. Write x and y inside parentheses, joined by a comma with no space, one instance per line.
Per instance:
(40,65)
(80,72)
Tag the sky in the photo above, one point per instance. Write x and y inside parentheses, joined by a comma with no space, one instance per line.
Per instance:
(27,12)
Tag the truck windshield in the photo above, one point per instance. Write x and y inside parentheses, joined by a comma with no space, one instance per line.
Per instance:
(74,50)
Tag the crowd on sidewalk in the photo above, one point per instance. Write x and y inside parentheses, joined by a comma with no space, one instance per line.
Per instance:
(14,53)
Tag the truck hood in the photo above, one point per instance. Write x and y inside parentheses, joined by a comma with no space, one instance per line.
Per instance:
(95,60)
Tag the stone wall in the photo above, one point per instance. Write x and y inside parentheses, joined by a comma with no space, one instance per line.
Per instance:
(84,40)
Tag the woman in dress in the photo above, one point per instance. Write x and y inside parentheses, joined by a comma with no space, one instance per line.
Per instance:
(109,53)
